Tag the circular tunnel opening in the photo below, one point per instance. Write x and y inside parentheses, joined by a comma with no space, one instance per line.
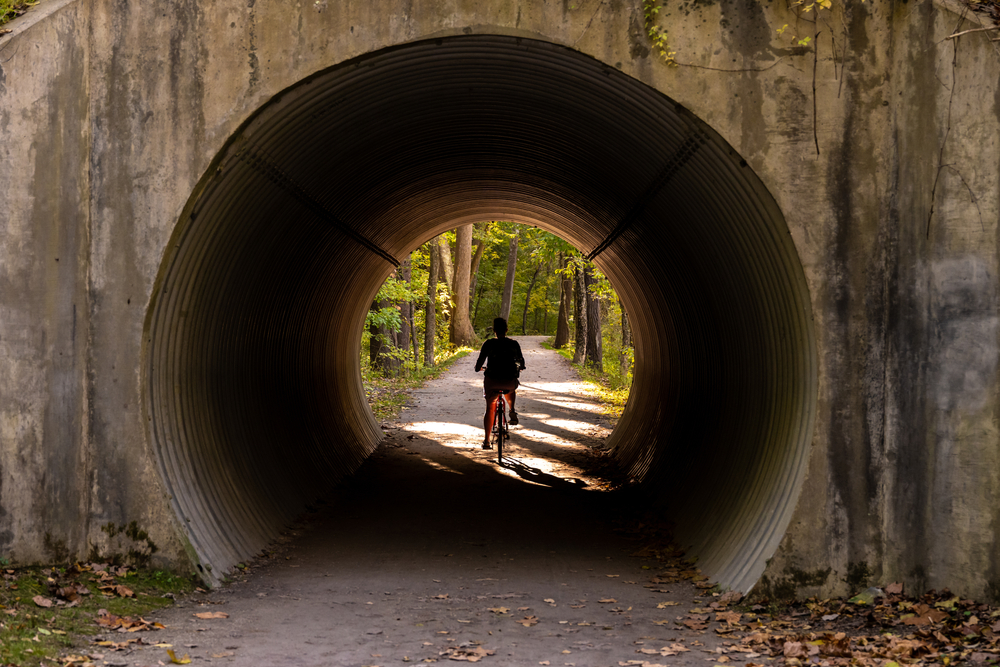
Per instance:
(254,395)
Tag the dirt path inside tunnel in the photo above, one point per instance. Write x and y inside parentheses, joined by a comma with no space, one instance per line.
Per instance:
(433,552)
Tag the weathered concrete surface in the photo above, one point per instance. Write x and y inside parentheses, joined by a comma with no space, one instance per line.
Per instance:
(110,113)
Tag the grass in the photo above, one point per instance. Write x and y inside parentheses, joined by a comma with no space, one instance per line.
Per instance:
(612,399)
(388,395)
(34,635)
(11,9)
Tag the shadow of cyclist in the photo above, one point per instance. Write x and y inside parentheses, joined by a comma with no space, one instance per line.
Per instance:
(530,474)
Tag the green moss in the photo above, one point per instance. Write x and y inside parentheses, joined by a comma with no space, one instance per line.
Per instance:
(135,552)
(788,586)
(993,591)
(858,575)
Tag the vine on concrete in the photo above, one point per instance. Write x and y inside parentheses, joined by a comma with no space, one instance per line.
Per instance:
(657,33)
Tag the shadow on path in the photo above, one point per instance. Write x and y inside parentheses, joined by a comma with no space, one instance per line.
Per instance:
(433,552)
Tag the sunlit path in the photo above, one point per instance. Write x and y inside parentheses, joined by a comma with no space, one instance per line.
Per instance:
(558,420)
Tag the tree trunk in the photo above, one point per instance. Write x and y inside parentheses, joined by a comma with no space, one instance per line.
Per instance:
(595,346)
(508,285)
(527,300)
(477,257)
(580,308)
(475,314)
(430,322)
(461,326)
(447,276)
(565,294)
(413,335)
(405,273)
(623,361)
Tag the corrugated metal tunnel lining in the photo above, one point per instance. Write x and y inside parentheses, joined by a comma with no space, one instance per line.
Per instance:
(254,393)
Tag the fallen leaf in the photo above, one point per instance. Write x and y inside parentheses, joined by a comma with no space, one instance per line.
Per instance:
(730,617)
(528,621)
(178,661)
(894,589)
(668,603)
(730,597)
(608,601)
(673,649)
(42,601)
(793,650)
(212,614)
(224,654)
(499,610)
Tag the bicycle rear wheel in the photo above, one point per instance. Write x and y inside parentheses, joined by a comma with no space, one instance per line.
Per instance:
(500,427)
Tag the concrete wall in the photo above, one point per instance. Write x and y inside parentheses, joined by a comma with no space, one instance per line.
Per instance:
(111,112)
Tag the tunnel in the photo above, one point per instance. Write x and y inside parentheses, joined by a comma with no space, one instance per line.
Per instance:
(252,381)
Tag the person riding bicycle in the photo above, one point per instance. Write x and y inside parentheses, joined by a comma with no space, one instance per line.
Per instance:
(504,362)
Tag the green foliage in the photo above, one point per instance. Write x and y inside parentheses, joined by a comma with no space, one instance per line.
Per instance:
(657,33)
(392,290)
(11,9)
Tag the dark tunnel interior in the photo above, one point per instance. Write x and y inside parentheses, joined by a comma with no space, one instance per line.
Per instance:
(252,374)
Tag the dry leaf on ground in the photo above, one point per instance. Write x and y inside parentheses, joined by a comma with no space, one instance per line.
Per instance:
(174,660)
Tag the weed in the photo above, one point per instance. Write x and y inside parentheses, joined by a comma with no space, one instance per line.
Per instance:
(11,9)
(387,395)
(35,635)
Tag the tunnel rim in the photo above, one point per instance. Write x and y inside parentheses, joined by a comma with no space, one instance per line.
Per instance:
(187,219)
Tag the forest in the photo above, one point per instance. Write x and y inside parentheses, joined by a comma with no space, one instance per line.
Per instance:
(538,282)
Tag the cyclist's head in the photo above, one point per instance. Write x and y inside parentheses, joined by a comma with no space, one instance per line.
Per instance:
(500,326)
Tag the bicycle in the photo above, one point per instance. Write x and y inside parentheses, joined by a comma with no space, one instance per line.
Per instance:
(500,430)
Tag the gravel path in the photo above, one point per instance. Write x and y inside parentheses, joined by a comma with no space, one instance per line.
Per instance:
(434,552)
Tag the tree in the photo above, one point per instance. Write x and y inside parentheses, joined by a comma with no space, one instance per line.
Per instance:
(580,308)
(527,300)
(624,360)
(565,294)
(508,285)
(461,327)
(405,307)
(430,321)
(477,257)
(595,347)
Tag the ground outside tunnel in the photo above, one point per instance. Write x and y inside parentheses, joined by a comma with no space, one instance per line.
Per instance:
(432,552)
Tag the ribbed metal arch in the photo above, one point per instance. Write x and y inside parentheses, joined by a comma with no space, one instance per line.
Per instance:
(253,384)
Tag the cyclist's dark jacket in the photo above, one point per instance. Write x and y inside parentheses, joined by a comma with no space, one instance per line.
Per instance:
(503,358)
